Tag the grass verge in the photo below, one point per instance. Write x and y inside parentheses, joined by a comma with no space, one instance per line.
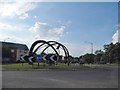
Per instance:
(103,65)
(60,66)
(26,66)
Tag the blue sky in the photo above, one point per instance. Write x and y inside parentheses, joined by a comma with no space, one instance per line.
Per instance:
(75,25)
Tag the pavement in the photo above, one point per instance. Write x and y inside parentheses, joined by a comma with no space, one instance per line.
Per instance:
(83,78)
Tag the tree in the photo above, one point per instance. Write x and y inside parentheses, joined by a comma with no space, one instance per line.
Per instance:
(88,58)
(112,53)
(108,52)
(98,55)
(116,53)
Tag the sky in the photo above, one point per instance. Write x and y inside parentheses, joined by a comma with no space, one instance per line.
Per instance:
(74,24)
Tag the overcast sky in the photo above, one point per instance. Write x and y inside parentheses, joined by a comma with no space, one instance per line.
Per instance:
(75,25)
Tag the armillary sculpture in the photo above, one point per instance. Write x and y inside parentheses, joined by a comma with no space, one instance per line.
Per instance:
(51,57)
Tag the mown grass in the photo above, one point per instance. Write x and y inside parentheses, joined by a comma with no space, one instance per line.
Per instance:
(103,65)
(26,66)
(60,66)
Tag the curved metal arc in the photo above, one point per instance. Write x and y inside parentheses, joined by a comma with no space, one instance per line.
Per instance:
(38,48)
(65,50)
(53,44)
(46,48)
(49,45)
(34,44)
(41,41)
(61,45)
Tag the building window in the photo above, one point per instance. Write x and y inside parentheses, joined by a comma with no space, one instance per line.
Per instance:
(20,51)
(25,51)
(12,50)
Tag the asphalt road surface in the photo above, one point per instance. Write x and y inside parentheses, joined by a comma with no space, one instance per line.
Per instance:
(84,78)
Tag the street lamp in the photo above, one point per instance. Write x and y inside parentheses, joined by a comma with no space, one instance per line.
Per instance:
(91,46)
(6,39)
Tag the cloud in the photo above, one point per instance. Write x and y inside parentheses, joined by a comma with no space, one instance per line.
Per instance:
(23,33)
(5,26)
(20,9)
(57,31)
(13,32)
(47,32)
(9,28)
(28,34)
(66,23)
(37,26)
(24,16)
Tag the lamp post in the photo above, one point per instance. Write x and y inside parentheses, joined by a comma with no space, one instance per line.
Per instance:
(91,46)
(6,39)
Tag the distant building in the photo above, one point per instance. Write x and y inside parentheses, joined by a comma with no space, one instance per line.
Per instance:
(11,52)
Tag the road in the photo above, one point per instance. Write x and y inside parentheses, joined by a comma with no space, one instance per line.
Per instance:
(84,78)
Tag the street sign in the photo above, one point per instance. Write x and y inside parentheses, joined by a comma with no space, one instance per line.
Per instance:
(39,57)
(27,58)
(22,58)
(53,58)
(50,57)
(44,57)
(30,59)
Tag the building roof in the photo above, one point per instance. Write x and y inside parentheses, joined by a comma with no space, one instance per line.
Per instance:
(15,45)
